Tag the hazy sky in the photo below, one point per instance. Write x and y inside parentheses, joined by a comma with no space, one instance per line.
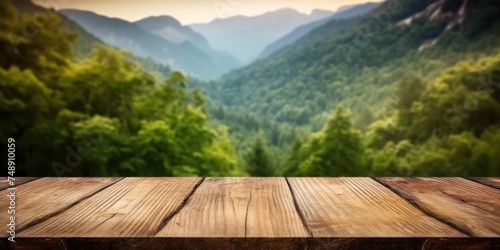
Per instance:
(193,11)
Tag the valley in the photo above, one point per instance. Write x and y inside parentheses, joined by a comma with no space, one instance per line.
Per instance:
(392,88)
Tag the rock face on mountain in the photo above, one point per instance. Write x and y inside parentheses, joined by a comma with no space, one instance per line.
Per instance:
(359,61)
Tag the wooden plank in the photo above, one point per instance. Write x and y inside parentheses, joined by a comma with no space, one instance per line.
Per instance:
(255,207)
(488,181)
(4,183)
(361,207)
(467,205)
(40,199)
(133,207)
(238,207)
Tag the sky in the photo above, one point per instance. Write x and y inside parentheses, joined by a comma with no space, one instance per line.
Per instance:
(193,11)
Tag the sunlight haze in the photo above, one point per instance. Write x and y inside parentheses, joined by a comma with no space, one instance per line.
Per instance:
(193,11)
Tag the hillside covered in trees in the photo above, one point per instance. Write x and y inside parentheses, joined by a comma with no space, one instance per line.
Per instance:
(409,89)
(385,85)
(102,115)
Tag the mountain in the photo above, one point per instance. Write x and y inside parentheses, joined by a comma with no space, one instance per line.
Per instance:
(342,12)
(27,6)
(85,40)
(172,30)
(345,7)
(125,35)
(245,37)
(347,65)
(356,10)
(318,14)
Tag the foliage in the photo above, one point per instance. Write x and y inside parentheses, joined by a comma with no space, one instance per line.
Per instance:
(257,159)
(453,130)
(336,151)
(102,115)
(410,88)
(403,106)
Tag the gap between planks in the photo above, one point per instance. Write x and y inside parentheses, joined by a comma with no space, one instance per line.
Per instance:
(425,211)
(238,207)
(479,210)
(185,202)
(301,214)
(362,207)
(62,210)
(171,215)
(132,208)
(487,181)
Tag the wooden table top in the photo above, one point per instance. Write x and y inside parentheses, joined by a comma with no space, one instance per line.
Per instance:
(255,207)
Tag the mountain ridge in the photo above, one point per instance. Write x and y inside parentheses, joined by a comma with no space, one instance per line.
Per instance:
(252,33)
(123,34)
(347,12)
(171,29)
(303,81)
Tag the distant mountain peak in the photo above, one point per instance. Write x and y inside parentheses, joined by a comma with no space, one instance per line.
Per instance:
(254,33)
(317,14)
(278,12)
(284,10)
(122,34)
(159,22)
(346,7)
(163,19)
(322,17)
(320,11)
(172,30)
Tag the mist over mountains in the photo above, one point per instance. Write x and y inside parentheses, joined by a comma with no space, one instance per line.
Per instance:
(245,37)
(179,54)
(172,30)
(204,50)
(397,88)
(341,13)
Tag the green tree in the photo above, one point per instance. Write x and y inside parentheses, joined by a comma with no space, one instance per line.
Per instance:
(257,159)
(337,151)
(24,100)
(408,92)
(293,161)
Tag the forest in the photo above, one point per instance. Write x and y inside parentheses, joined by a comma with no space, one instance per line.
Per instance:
(392,107)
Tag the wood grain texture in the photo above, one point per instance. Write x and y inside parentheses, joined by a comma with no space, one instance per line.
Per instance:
(132,207)
(4,183)
(488,181)
(40,199)
(259,208)
(238,207)
(472,207)
(361,207)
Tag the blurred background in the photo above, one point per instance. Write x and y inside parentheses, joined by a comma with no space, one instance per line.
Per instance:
(251,88)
